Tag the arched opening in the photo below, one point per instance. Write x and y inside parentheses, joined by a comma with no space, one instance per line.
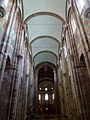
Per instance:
(46,90)
(46,97)
(85,86)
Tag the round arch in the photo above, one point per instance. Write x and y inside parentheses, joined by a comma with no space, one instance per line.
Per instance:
(44,52)
(43,79)
(38,58)
(45,36)
(70,11)
(39,66)
(47,40)
(44,13)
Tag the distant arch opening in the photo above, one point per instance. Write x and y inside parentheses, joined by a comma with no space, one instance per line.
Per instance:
(46,90)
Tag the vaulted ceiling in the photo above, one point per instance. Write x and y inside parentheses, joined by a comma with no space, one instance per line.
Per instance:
(44,19)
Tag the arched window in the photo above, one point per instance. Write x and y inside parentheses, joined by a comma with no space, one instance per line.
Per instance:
(39,96)
(46,96)
(53,96)
(73,23)
(46,89)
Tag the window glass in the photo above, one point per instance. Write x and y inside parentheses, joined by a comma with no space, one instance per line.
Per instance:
(46,89)
(53,96)
(39,88)
(39,96)
(73,23)
(46,96)
(65,49)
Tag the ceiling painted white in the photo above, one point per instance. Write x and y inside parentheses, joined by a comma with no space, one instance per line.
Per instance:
(34,6)
(44,44)
(45,19)
(45,57)
(44,25)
